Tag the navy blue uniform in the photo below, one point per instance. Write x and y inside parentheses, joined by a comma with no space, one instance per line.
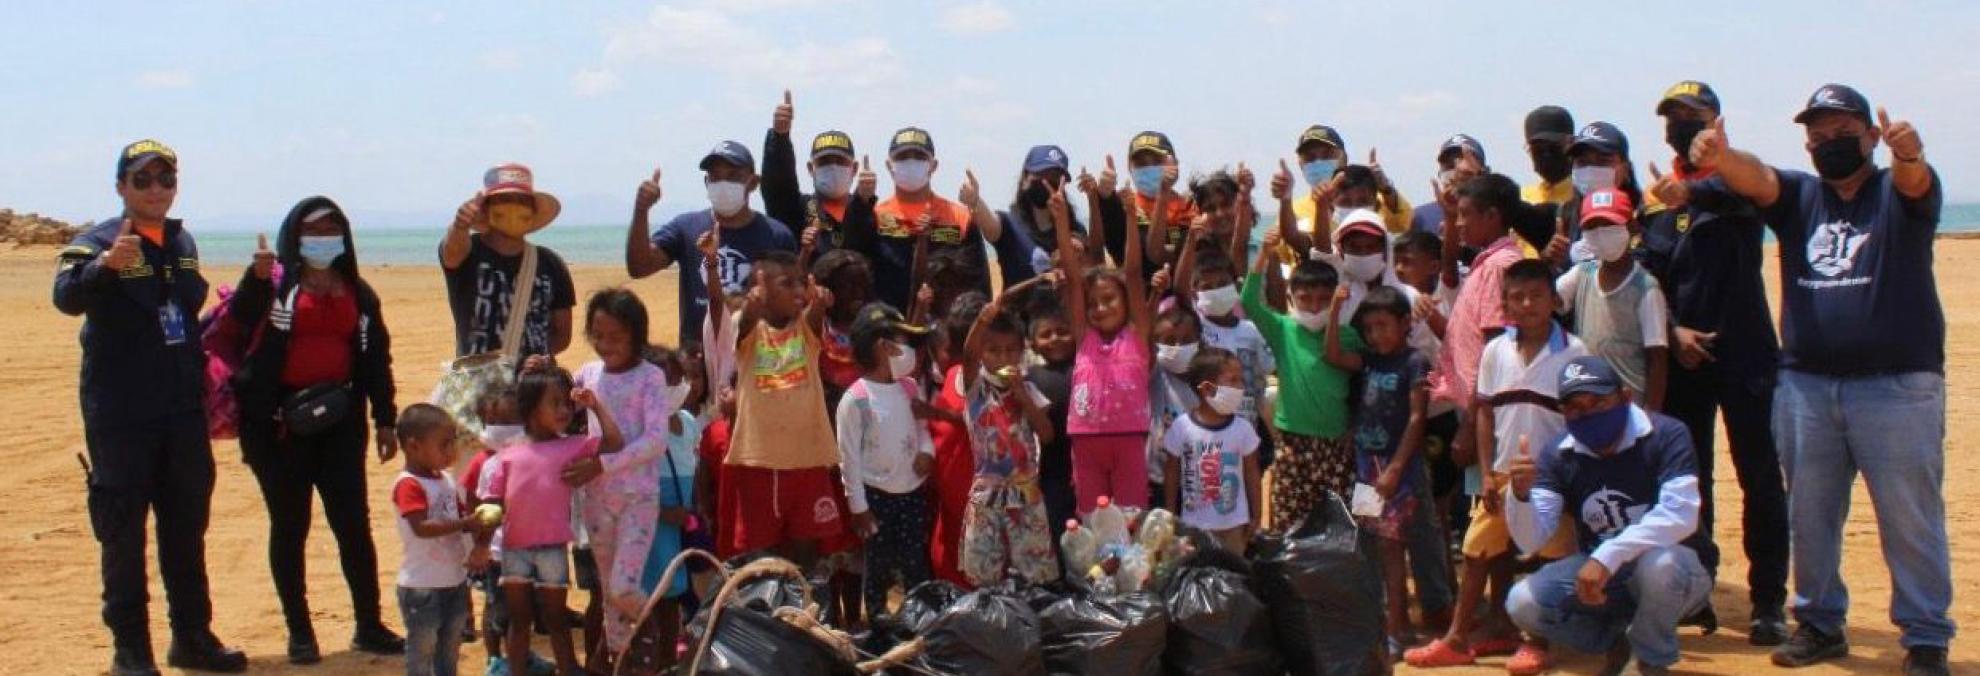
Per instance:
(143,383)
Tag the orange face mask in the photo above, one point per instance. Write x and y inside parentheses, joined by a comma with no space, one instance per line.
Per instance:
(509,219)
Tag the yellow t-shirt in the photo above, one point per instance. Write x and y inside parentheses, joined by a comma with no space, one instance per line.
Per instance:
(1395,219)
(780,401)
(1542,191)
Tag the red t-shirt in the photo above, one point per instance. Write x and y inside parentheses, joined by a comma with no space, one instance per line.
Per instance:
(955,470)
(320,340)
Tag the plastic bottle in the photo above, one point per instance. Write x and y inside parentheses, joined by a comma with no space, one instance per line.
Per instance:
(1108,522)
(1133,573)
(1080,546)
(1158,529)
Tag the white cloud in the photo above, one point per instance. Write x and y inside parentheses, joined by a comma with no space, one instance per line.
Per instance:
(589,82)
(711,38)
(985,16)
(178,78)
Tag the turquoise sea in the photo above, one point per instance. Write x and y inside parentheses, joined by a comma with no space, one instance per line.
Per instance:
(605,244)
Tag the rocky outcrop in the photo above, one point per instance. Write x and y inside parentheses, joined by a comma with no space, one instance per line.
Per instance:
(35,229)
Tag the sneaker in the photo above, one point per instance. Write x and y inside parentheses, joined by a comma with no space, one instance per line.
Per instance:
(1925,660)
(1529,660)
(1768,631)
(496,667)
(1809,645)
(378,640)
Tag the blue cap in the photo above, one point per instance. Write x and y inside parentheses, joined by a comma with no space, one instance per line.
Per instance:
(1600,136)
(1588,375)
(729,152)
(1042,158)
(1455,145)
(1835,97)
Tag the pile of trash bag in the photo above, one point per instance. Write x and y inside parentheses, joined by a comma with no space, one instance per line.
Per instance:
(748,640)
(1217,624)
(1323,585)
(1088,633)
(990,631)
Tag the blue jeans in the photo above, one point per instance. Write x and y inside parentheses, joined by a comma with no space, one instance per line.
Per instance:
(434,619)
(1645,601)
(1429,552)
(1892,428)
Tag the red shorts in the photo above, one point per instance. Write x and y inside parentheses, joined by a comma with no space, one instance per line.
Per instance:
(763,508)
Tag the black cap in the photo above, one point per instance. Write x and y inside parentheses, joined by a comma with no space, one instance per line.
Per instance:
(1835,97)
(1151,141)
(1455,145)
(729,152)
(833,143)
(1691,93)
(1600,136)
(879,320)
(1321,133)
(1550,123)
(911,138)
(139,153)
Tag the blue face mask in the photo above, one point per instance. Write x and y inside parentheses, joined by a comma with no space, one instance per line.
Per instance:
(1591,178)
(1147,180)
(1599,431)
(1319,171)
(320,250)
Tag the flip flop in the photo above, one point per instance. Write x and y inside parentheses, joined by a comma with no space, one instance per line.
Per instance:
(1530,660)
(1439,654)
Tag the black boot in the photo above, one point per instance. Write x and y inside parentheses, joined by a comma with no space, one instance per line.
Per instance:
(374,638)
(133,660)
(302,645)
(205,653)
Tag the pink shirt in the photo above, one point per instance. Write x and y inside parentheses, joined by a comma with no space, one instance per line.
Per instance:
(1477,310)
(1109,385)
(528,479)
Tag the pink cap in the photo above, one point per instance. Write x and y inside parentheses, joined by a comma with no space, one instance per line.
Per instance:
(1103,501)
(1607,203)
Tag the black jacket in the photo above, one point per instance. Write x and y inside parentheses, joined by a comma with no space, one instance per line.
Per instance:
(786,203)
(259,303)
(129,375)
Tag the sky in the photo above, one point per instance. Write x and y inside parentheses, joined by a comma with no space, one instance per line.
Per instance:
(396,108)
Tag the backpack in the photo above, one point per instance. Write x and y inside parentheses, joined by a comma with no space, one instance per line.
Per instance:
(227,343)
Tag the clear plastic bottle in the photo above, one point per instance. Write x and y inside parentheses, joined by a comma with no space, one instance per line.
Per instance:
(1158,529)
(1080,546)
(1108,522)
(1133,573)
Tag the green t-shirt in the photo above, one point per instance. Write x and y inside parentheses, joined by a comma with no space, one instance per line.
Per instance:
(1313,395)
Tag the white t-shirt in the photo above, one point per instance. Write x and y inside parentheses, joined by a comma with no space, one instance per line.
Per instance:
(1244,340)
(1212,491)
(1618,323)
(1524,397)
(879,439)
(436,562)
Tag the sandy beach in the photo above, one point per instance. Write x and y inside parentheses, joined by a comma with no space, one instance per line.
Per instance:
(48,563)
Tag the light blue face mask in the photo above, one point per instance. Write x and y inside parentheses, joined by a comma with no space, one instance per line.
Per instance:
(1319,171)
(1591,178)
(319,251)
(1148,180)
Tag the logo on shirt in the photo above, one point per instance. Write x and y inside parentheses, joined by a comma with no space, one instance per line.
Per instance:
(734,267)
(1607,512)
(1833,247)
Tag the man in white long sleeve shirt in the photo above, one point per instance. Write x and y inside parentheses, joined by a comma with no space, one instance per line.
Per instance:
(1629,480)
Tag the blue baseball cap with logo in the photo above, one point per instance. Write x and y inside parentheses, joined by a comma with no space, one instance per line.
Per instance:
(1045,158)
(1836,97)
(729,152)
(1589,375)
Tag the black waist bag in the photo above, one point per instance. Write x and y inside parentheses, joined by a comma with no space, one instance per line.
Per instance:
(316,408)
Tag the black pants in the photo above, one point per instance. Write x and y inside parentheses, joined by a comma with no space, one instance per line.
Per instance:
(290,470)
(164,468)
(1696,398)
(898,550)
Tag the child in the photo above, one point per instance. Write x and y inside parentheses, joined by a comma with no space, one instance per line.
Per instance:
(955,465)
(1311,414)
(1623,316)
(1419,258)
(682,522)
(713,454)
(777,486)
(621,507)
(501,428)
(1005,526)
(885,454)
(1388,431)
(1171,395)
(1051,342)
(850,279)
(1110,317)
(1207,451)
(434,526)
(1515,400)
(1213,292)
(528,483)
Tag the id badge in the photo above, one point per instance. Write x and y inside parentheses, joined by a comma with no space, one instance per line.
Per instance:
(172,323)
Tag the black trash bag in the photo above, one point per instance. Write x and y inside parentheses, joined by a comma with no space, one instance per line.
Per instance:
(1042,596)
(1324,594)
(987,632)
(1217,625)
(749,641)
(925,602)
(1119,636)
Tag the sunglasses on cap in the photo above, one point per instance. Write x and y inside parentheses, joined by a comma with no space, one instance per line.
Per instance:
(165,179)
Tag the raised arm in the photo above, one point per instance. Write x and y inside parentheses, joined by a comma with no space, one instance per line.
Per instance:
(455,244)
(1323,212)
(782,198)
(1156,246)
(1910,174)
(1072,265)
(609,439)
(981,216)
(1336,356)
(642,257)
(1745,174)
(1138,314)
(1288,230)
(1103,208)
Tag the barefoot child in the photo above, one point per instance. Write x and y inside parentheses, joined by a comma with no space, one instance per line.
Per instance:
(536,502)
(442,541)
(885,455)
(1005,528)
(1211,455)
(1388,431)
(1109,313)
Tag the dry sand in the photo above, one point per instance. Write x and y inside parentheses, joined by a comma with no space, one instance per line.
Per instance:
(48,566)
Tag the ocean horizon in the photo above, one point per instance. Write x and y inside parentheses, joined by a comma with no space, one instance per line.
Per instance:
(601,243)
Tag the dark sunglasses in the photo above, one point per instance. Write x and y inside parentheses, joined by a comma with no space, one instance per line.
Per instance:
(165,179)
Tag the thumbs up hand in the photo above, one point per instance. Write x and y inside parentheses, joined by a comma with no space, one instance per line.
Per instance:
(970,194)
(781,120)
(1903,139)
(1709,146)
(1108,178)
(1282,182)
(867,181)
(1522,471)
(648,194)
(264,259)
(124,252)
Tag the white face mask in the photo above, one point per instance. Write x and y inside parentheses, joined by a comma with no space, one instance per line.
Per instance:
(1227,400)
(1217,302)
(1364,268)
(911,175)
(1592,178)
(902,361)
(1609,242)
(727,197)
(1341,214)
(1311,321)
(498,437)
(1175,358)
(832,180)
